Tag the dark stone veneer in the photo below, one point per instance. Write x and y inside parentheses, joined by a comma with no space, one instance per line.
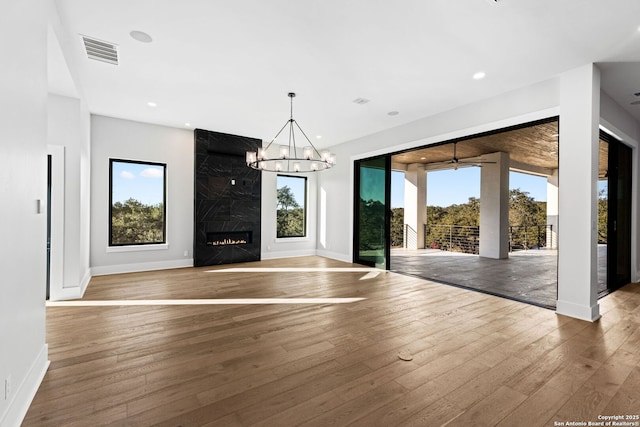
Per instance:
(221,206)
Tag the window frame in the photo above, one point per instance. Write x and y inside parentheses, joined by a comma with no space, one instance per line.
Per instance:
(304,209)
(147,245)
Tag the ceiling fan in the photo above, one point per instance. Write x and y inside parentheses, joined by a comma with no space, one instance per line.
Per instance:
(456,163)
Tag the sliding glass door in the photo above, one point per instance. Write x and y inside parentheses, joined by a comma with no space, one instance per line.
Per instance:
(619,214)
(372,213)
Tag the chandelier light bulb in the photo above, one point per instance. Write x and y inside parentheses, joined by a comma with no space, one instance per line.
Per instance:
(251,157)
(284,151)
(307,153)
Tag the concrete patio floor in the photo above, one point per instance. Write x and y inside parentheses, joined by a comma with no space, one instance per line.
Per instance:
(529,276)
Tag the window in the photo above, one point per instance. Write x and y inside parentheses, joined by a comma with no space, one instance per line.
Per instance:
(291,213)
(137,203)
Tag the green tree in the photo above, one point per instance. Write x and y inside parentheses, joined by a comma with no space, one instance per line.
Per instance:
(525,210)
(371,225)
(135,222)
(603,214)
(289,214)
(397,227)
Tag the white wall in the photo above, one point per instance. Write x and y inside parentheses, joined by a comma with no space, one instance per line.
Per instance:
(527,104)
(272,247)
(23,181)
(68,127)
(578,193)
(124,139)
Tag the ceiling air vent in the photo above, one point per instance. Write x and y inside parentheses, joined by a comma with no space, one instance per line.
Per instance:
(360,101)
(101,50)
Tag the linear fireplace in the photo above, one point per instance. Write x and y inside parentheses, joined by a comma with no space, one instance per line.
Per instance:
(229,238)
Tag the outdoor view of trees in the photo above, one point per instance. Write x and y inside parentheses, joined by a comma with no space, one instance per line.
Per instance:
(133,222)
(602,216)
(290,217)
(371,225)
(523,211)
(137,199)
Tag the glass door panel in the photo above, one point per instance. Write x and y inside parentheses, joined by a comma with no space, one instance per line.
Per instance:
(372,201)
(619,215)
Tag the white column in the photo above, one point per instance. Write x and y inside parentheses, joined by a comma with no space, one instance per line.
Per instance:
(415,205)
(577,210)
(552,210)
(494,206)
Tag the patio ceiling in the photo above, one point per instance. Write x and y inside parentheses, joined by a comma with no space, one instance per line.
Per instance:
(532,149)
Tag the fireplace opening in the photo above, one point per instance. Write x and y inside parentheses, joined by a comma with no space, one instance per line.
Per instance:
(225,238)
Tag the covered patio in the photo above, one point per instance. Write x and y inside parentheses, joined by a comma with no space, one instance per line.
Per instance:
(529,276)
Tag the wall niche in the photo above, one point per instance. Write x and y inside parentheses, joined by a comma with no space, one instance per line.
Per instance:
(227,200)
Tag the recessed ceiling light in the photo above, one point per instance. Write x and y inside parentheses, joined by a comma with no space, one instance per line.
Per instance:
(318,136)
(479,75)
(393,113)
(141,36)
(152,104)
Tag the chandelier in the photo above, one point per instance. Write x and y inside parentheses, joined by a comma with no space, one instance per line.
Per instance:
(291,158)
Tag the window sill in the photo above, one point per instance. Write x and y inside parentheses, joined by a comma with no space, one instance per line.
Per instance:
(290,239)
(138,248)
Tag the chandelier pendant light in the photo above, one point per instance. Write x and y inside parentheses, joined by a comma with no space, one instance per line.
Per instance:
(291,158)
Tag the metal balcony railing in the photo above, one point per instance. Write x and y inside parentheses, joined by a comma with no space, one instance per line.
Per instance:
(523,237)
(454,238)
(466,239)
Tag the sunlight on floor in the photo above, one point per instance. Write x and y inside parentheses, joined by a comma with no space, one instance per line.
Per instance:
(223,301)
(295,270)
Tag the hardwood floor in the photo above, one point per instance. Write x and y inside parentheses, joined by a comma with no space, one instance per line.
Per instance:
(477,360)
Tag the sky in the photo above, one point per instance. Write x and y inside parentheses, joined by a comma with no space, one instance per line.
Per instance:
(139,181)
(449,187)
(296,184)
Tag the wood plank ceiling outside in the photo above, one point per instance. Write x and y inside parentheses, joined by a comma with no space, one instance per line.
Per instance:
(535,145)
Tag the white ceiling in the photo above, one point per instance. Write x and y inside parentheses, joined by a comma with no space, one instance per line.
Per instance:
(228,65)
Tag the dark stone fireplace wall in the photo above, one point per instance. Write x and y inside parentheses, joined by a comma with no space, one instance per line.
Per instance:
(227,198)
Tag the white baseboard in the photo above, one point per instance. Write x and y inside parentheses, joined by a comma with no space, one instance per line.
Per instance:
(287,254)
(143,266)
(65,294)
(582,312)
(71,292)
(334,255)
(85,282)
(26,391)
